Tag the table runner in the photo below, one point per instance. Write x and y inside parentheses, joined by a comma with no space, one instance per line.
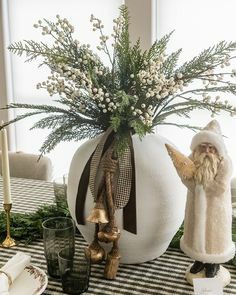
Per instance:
(164,275)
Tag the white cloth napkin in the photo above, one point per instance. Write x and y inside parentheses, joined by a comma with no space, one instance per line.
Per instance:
(13,268)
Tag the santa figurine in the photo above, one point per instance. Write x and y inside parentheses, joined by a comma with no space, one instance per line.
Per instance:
(207,237)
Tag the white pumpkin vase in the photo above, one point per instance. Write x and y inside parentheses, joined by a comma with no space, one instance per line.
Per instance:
(160,199)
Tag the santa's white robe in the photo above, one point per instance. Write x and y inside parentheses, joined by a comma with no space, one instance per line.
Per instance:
(208,218)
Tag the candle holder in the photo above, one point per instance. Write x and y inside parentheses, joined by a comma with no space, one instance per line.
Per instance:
(8,242)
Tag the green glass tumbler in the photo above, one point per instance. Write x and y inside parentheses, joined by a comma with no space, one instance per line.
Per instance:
(58,233)
(75,271)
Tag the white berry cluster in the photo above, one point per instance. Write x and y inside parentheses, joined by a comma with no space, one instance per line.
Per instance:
(144,113)
(85,81)
(97,25)
(156,84)
(62,28)
(69,82)
(211,78)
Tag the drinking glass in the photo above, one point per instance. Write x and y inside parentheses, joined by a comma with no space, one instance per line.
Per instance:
(58,233)
(75,271)
(60,189)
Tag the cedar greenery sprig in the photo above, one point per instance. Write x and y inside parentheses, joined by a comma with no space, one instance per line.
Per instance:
(136,92)
(27,227)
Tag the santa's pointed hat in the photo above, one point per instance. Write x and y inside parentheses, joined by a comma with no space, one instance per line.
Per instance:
(210,134)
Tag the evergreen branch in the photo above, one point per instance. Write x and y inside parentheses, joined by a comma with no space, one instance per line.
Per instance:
(33,50)
(183,108)
(20,117)
(159,47)
(207,59)
(193,128)
(49,109)
(178,111)
(170,63)
(123,51)
(45,108)
(68,131)
(50,122)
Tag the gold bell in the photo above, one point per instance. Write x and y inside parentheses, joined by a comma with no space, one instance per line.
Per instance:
(98,214)
(96,253)
(108,235)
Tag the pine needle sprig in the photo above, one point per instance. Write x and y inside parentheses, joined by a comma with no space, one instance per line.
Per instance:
(68,131)
(139,90)
(170,63)
(122,48)
(19,118)
(49,122)
(207,59)
(48,109)
(190,127)
(34,50)
(159,47)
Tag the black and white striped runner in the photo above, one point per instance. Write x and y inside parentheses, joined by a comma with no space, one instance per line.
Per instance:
(164,275)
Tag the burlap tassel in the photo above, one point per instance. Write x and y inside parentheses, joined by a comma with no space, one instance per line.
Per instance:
(99,213)
(184,166)
(95,251)
(112,262)
(110,232)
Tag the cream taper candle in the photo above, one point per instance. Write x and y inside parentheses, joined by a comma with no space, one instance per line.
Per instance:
(5,168)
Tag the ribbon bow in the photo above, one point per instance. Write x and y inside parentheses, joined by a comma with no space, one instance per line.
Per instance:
(123,191)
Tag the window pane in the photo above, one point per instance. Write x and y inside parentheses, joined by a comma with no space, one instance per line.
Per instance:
(22,15)
(198,25)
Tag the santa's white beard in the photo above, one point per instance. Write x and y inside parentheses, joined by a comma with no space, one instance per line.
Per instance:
(206,167)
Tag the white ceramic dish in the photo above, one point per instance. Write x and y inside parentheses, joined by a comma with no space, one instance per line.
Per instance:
(32,281)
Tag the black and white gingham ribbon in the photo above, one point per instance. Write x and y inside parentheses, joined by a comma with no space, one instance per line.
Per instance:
(95,162)
(124,180)
(123,175)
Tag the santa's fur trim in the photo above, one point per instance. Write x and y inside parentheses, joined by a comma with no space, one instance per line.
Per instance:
(210,137)
(208,258)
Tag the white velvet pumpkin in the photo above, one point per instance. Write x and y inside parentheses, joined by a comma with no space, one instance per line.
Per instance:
(160,199)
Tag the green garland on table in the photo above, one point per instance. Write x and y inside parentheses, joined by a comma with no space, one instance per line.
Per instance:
(175,243)
(27,227)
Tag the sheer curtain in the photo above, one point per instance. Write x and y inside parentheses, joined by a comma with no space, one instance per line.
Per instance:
(198,25)
(22,15)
